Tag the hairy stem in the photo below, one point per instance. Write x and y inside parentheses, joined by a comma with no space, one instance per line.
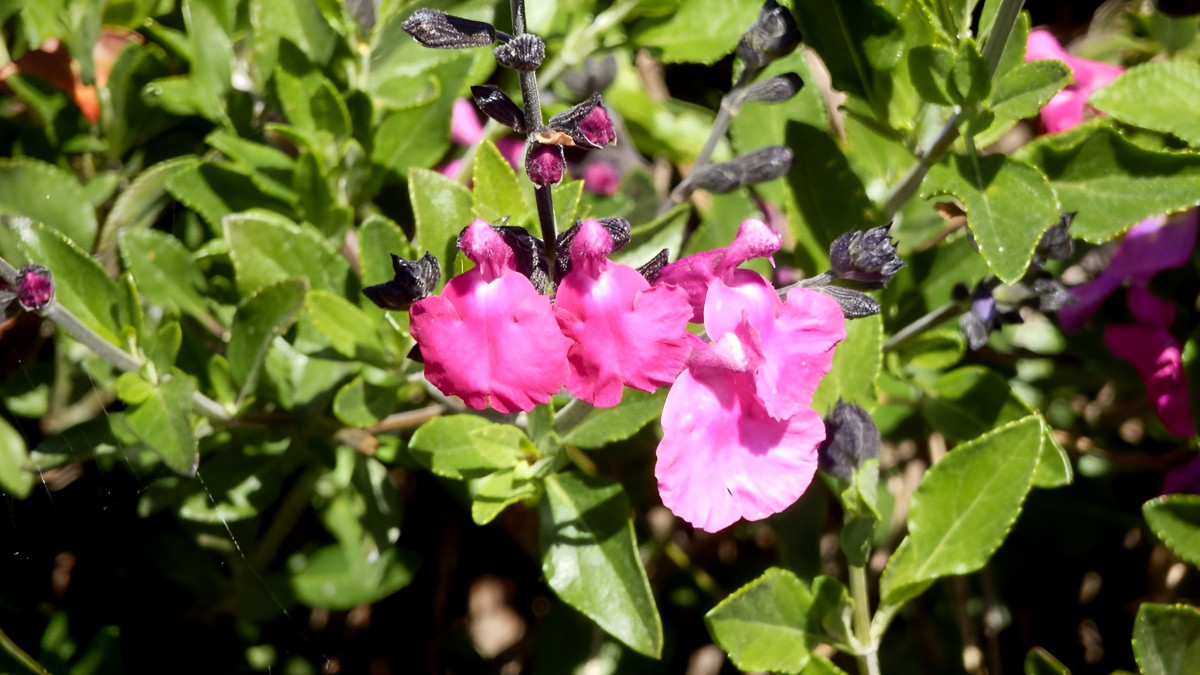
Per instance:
(923,324)
(867,655)
(14,650)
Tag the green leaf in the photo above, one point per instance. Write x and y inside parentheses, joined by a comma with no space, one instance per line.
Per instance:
(264,315)
(608,425)
(212,55)
(590,559)
(964,507)
(162,346)
(1166,639)
(332,577)
(166,274)
(1111,183)
(855,364)
(830,196)
(493,493)
(379,237)
(361,404)
(47,194)
(266,248)
(1040,662)
(859,41)
(159,415)
(567,197)
(15,477)
(498,192)
(350,331)
(761,625)
(138,205)
(1023,91)
(929,67)
(970,78)
(1173,86)
(936,349)
(699,31)
(1175,519)
(1008,203)
(81,285)
(467,446)
(217,189)
(300,22)
(441,209)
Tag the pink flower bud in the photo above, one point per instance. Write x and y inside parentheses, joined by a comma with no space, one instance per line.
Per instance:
(545,164)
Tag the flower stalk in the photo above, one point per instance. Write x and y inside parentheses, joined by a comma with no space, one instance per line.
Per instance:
(867,653)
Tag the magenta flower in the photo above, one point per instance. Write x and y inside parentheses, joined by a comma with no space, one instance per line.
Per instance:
(739,434)
(1149,247)
(490,338)
(601,178)
(1158,359)
(466,130)
(624,332)
(1183,479)
(1068,106)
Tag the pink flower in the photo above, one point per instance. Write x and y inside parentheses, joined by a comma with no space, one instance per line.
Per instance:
(1068,106)
(601,178)
(1183,479)
(739,434)
(624,332)
(490,338)
(1149,247)
(1156,356)
(466,130)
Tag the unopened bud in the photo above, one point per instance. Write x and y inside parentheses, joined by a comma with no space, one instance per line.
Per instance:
(1056,243)
(529,254)
(497,105)
(763,165)
(35,287)
(851,438)
(866,258)
(773,89)
(593,77)
(984,316)
(773,34)
(653,267)
(414,280)
(525,53)
(1052,295)
(722,177)
(854,304)
(544,164)
(440,30)
(588,124)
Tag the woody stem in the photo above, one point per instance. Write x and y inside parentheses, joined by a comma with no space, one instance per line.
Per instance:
(533,121)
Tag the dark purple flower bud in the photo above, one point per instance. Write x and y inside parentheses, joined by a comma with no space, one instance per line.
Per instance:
(868,259)
(525,53)
(497,105)
(984,316)
(618,228)
(773,89)
(529,252)
(35,287)
(414,280)
(723,177)
(587,124)
(1056,243)
(763,165)
(545,164)
(654,266)
(440,30)
(851,438)
(593,77)
(855,304)
(773,34)
(1052,295)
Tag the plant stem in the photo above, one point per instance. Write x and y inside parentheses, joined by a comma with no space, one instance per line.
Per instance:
(18,654)
(731,103)
(923,324)
(867,655)
(571,415)
(532,105)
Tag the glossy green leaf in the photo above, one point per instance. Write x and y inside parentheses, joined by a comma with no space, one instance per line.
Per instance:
(855,364)
(858,40)
(81,285)
(964,507)
(47,194)
(442,210)
(333,578)
(300,22)
(361,404)
(831,198)
(1023,91)
(264,315)
(166,274)
(1008,203)
(1175,519)
(590,559)
(266,248)
(761,625)
(349,330)
(1040,662)
(159,415)
(212,54)
(493,493)
(467,446)
(16,478)
(1110,182)
(699,31)
(1173,86)
(217,189)
(1166,639)
(139,205)
(609,425)
(378,239)
(498,192)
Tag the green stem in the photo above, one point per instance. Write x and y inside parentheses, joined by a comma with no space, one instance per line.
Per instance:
(867,654)
(923,324)
(571,415)
(531,102)
(18,654)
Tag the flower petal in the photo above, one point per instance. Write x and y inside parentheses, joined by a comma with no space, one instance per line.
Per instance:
(695,272)
(1156,356)
(723,458)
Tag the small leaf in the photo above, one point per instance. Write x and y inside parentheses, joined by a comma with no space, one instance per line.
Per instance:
(1173,86)
(855,363)
(830,195)
(361,404)
(1166,639)
(858,40)
(139,204)
(161,420)
(166,274)
(493,493)
(761,625)
(466,446)
(498,192)
(608,425)
(442,210)
(350,331)
(266,248)
(263,316)
(15,477)
(1175,519)
(699,31)
(1023,91)
(929,67)
(1009,205)
(217,189)
(970,79)
(378,239)
(212,55)
(964,507)
(332,577)
(590,559)
(47,194)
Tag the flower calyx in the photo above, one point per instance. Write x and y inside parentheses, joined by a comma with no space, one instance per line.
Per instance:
(866,260)
(439,30)
(851,438)
(523,53)
(772,35)
(414,280)
(497,105)
(587,125)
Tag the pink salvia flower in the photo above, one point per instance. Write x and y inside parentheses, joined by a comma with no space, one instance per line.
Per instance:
(1156,356)
(1068,106)
(739,435)
(465,127)
(601,178)
(624,332)
(490,338)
